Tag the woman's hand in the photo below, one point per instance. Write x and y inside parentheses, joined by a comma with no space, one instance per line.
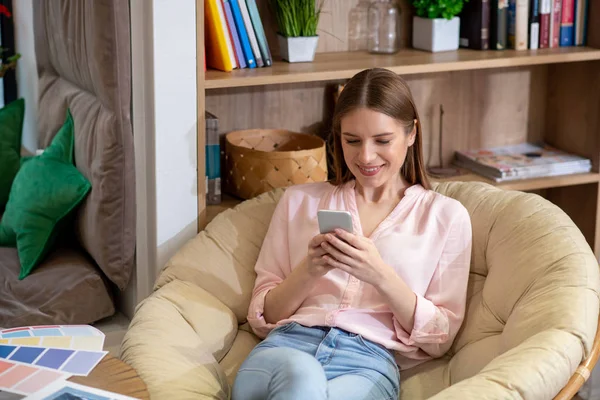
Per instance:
(357,255)
(316,264)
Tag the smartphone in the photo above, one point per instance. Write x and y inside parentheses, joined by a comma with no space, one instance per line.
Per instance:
(330,220)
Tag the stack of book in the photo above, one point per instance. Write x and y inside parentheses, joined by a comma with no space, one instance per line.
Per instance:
(523,24)
(522,161)
(234,35)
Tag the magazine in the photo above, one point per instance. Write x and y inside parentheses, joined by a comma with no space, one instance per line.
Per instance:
(521,161)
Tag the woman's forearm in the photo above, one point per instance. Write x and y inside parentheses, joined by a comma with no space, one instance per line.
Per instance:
(401,300)
(283,300)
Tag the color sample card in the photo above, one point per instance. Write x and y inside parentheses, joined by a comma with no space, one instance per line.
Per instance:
(93,343)
(53,330)
(76,362)
(60,390)
(25,379)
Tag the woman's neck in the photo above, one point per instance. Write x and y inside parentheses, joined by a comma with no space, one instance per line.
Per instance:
(389,191)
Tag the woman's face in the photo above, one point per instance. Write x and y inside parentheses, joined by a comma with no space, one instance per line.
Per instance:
(374,146)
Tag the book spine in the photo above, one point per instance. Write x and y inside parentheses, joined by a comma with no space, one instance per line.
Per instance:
(581,10)
(545,13)
(260,32)
(534,24)
(241,28)
(522,25)
(475,25)
(227,34)
(213,160)
(555,19)
(567,23)
(251,33)
(502,27)
(234,35)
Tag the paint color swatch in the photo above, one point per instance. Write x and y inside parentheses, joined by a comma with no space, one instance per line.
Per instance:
(38,381)
(26,379)
(59,342)
(92,343)
(76,362)
(54,330)
(82,362)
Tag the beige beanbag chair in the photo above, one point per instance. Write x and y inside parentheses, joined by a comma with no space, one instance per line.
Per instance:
(531,318)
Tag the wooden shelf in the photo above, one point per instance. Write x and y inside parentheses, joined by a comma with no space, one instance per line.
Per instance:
(531,184)
(522,185)
(343,65)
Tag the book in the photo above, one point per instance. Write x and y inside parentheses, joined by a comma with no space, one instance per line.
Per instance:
(217,51)
(260,33)
(581,10)
(227,34)
(241,28)
(555,19)
(567,23)
(251,33)
(213,160)
(545,14)
(239,54)
(534,24)
(498,24)
(475,25)
(518,16)
(521,161)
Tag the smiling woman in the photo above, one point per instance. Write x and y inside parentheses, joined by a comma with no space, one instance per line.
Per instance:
(341,313)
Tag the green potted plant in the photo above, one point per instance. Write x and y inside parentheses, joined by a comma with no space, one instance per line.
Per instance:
(297,22)
(436,25)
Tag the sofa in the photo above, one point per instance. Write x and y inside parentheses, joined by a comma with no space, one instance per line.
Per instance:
(83,60)
(531,318)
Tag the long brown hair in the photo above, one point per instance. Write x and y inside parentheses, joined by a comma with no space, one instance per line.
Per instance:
(380,90)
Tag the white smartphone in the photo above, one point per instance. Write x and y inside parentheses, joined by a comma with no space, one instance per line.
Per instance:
(329,220)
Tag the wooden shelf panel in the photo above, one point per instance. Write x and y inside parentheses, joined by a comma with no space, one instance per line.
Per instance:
(531,184)
(523,185)
(343,65)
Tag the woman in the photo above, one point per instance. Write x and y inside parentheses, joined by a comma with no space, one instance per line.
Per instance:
(343,317)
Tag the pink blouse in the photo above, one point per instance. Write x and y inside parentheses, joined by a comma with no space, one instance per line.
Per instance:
(426,239)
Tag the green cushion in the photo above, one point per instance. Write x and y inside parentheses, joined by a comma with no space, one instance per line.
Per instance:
(11,130)
(45,191)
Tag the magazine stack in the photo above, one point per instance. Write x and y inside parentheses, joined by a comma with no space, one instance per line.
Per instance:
(521,161)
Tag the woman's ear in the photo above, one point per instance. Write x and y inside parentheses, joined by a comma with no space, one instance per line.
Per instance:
(413,134)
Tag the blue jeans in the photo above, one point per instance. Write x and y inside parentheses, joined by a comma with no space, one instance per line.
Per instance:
(296,362)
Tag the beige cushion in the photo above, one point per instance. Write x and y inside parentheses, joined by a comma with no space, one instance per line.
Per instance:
(83,59)
(532,302)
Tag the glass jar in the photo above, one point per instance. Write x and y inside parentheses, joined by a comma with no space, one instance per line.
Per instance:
(358,26)
(384,27)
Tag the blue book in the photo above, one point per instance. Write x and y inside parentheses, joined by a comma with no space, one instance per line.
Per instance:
(241,28)
(234,35)
(567,29)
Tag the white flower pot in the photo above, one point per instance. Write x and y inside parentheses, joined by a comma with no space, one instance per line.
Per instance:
(298,49)
(438,34)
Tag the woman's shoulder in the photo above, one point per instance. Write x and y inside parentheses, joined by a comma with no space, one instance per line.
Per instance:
(445,207)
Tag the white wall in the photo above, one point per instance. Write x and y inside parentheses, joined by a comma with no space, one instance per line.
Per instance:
(27,83)
(164,125)
(175,109)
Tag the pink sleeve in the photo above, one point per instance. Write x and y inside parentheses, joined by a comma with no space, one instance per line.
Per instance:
(440,312)
(272,266)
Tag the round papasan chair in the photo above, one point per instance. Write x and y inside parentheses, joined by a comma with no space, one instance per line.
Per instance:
(529,330)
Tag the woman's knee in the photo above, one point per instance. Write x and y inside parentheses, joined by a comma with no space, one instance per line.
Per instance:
(286,371)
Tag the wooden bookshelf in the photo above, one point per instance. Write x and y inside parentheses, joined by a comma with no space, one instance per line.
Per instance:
(343,65)
(490,98)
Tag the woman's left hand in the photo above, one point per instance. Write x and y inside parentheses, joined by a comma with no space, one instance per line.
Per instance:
(357,255)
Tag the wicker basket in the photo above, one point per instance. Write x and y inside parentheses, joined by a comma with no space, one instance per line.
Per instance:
(260,160)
